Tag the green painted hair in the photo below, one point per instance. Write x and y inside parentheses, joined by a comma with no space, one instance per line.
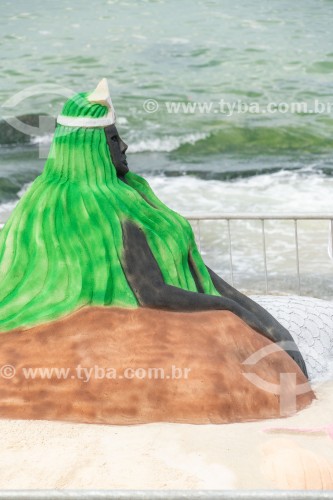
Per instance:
(62,247)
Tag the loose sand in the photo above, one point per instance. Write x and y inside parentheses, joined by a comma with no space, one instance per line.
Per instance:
(42,454)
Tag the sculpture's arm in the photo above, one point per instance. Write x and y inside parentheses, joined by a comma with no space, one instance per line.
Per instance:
(146,280)
(229,292)
(278,331)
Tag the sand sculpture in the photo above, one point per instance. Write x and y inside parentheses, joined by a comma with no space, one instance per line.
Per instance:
(95,270)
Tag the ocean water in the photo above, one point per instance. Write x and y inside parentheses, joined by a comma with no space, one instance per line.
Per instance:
(206,160)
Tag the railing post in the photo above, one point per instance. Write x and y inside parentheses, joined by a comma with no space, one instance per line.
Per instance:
(199,234)
(230,254)
(297,257)
(264,252)
(330,242)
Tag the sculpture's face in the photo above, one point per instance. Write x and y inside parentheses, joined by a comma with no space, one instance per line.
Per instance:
(117,149)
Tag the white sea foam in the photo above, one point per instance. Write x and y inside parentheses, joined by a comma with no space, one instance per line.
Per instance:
(7,208)
(42,139)
(139,37)
(121,120)
(177,40)
(5,211)
(167,144)
(281,192)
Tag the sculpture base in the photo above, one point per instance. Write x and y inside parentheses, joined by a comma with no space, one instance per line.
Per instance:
(131,366)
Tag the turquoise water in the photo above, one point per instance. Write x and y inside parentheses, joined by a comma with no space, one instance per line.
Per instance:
(171,50)
(186,52)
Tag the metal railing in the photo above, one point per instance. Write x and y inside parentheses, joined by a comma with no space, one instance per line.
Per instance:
(197,219)
(166,495)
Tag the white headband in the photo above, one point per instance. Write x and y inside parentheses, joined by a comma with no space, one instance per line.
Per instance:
(86,122)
